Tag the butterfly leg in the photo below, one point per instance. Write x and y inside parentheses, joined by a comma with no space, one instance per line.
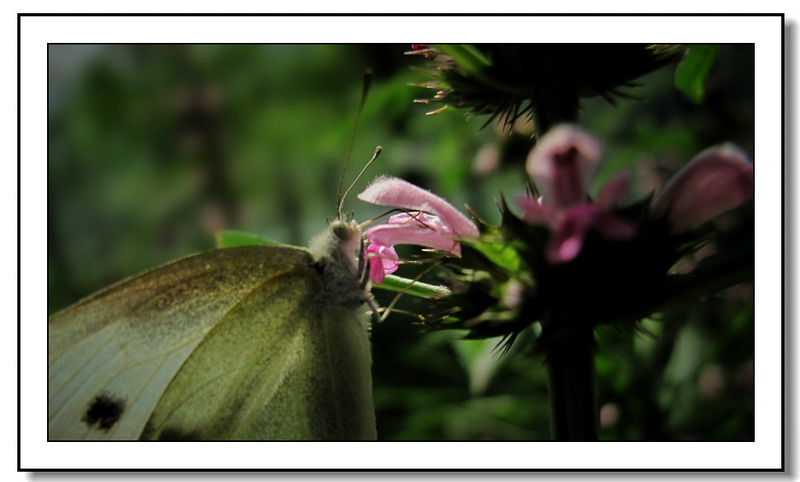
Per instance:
(376,313)
(363,271)
(363,274)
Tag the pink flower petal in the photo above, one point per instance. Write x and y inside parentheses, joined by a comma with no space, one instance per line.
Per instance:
(394,192)
(562,163)
(569,248)
(533,211)
(392,234)
(612,227)
(613,192)
(382,260)
(376,273)
(421,220)
(716,181)
(568,234)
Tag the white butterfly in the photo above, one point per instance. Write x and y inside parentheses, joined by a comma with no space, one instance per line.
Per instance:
(245,343)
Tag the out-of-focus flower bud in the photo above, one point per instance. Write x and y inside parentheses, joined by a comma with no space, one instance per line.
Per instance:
(716,181)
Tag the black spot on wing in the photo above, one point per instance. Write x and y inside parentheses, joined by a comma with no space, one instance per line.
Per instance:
(104,411)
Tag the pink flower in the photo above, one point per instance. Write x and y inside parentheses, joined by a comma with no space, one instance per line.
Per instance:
(561,165)
(430,221)
(383,260)
(716,181)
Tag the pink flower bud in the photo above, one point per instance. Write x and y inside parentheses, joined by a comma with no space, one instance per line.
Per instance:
(716,181)
(424,50)
(562,164)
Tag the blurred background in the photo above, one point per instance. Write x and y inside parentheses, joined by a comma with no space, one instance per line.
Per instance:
(154,148)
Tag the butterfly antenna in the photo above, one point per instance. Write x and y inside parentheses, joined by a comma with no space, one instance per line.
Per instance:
(375,155)
(364,91)
(370,221)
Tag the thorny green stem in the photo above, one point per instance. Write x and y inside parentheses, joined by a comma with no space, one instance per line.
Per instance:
(550,111)
(572,386)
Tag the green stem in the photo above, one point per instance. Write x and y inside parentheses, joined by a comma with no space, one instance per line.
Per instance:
(571,381)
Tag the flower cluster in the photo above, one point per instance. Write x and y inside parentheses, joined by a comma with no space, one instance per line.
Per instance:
(561,166)
(565,245)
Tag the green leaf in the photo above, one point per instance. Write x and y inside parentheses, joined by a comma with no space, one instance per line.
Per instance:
(690,76)
(229,239)
(500,253)
(480,359)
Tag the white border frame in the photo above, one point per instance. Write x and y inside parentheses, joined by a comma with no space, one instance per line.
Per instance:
(764,31)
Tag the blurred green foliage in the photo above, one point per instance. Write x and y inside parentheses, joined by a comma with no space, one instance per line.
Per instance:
(691,73)
(153,149)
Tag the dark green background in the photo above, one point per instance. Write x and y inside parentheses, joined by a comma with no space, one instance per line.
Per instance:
(152,148)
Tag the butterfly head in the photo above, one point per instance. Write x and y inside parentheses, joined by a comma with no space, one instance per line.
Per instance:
(345,231)
(340,242)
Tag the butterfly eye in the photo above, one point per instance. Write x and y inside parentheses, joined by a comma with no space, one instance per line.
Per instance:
(342,231)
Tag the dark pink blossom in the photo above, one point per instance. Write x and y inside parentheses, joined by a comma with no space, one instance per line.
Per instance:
(561,165)
(428,221)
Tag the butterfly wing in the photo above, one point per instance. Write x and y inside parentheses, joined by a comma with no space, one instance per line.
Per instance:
(112,355)
(285,363)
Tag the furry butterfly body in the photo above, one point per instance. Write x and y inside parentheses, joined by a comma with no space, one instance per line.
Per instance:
(246,343)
